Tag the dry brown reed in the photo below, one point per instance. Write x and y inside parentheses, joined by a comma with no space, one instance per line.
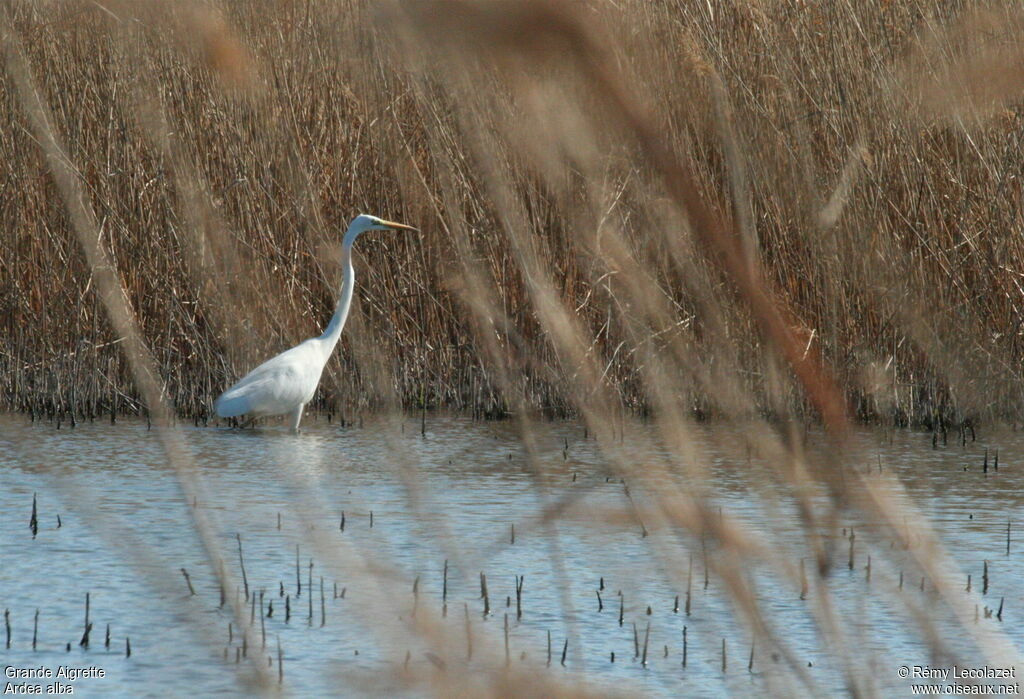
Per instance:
(732,209)
(845,148)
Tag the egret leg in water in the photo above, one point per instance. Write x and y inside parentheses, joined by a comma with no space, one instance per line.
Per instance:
(284,384)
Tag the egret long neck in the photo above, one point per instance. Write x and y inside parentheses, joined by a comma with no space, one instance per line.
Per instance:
(333,331)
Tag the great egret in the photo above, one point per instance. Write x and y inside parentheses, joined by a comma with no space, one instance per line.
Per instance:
(283,385)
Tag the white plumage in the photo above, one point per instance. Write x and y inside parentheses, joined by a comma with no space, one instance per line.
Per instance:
(283,385)
(277,386)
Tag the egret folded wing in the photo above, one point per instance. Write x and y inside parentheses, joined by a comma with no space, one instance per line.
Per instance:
(266,390)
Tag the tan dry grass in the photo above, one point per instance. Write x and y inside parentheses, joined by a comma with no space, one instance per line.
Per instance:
(223,150)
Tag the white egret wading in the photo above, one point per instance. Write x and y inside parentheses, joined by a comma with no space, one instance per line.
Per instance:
(283,385)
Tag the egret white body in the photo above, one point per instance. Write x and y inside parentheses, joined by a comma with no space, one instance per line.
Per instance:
(283,385)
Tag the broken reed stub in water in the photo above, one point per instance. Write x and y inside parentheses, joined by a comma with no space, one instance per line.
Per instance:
(565,649)
(87,625)
(241,562)
(984,578)
(647,637)
(309,593)
(483,593)
(341,526)
(600,604)
(7,625)
(127,647)
(263,624)
(298,574)
(622,606)
(723,656)
(519,596)
(684,646)
(323,604)
(84,643)
(188,581)
(35,631)
(33,522)
(444,587)
(415,594)
(280,662)
(853,538)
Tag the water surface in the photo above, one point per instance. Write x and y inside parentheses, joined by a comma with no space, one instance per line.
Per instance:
(126,531)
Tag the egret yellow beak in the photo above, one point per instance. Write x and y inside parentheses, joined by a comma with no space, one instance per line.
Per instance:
(398,226)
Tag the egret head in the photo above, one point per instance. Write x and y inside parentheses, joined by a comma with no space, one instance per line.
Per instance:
(365,222)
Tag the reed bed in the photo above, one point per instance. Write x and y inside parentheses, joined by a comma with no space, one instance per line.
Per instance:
(224,149)
(774,213)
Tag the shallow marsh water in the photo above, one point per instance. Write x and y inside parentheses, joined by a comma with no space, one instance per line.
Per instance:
(126,532)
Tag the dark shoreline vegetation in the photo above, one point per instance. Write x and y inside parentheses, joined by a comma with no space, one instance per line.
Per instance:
(851,152)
